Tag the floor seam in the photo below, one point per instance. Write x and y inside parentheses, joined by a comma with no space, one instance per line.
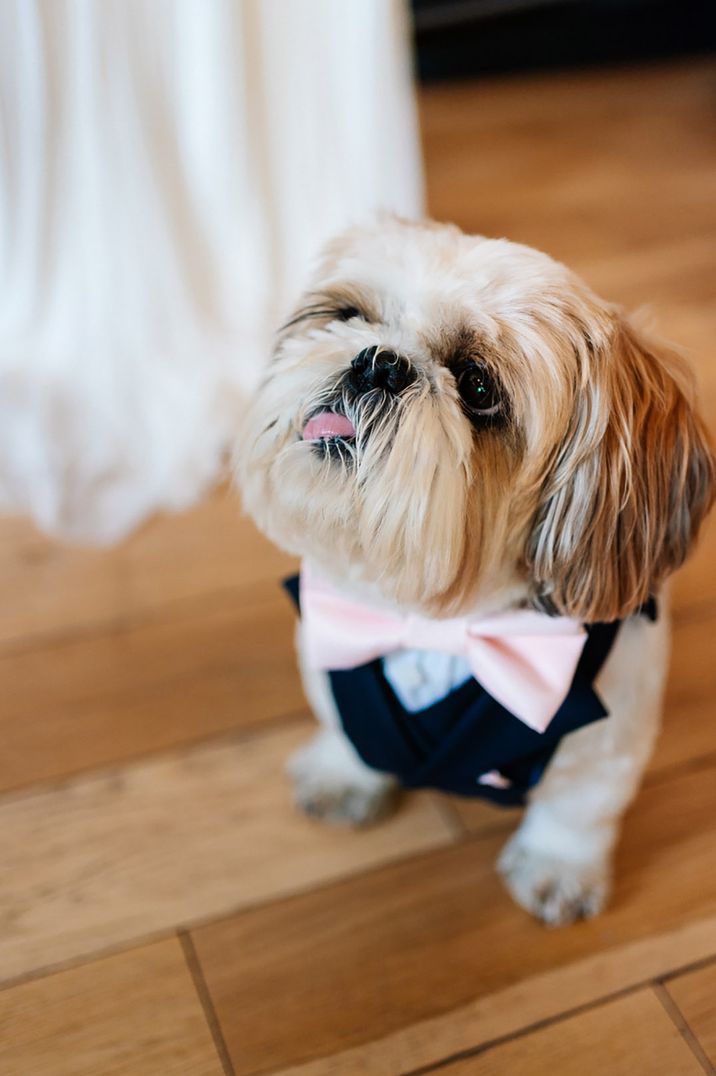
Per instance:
(566,1014)
(451,817)
(682,1026)
(529,1029)
(293,719)
(202,989)
(663,774)
(250,908)
(183,931)
(169,611)
(200,922)
(237,734)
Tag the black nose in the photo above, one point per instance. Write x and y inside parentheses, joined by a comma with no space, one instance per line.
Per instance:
(378,368)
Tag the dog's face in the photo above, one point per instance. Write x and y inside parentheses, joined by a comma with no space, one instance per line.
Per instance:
(448,416)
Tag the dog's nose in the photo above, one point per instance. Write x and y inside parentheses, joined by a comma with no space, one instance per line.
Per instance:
(378,368)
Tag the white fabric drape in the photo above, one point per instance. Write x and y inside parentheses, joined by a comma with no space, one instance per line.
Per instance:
(167,170)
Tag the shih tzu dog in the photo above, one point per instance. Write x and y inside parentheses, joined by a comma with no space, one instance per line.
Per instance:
(489,473)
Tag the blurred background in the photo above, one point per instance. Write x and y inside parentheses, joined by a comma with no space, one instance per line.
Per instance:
(168,169)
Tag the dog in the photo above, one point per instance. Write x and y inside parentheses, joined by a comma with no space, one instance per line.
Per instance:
(461,440)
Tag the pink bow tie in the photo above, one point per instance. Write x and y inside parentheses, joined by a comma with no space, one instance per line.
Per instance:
(524,659)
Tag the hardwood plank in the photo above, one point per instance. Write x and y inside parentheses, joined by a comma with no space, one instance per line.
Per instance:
(508,1012)
(133,1014)
(121,855)
(695,995)
(689,729)
(623,1037)
(212,548)
(693,590)
(121,693)
(371,959)
(572,179)
(656,277)
(52,589)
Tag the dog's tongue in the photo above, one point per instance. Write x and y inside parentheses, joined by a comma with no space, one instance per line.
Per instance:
(326,425)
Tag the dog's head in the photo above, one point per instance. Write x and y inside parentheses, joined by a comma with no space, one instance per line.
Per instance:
(447,416)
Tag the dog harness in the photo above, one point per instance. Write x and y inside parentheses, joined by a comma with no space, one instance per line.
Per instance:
(468,706)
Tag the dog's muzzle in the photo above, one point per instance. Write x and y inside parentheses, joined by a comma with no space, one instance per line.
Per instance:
(379,368)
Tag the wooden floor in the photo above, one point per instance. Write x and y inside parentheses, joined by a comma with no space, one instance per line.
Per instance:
(164,911)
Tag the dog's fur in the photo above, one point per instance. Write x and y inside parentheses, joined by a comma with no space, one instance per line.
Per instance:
(580,498)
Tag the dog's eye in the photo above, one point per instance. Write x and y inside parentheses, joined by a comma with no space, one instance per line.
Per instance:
(478,391)
(345,313)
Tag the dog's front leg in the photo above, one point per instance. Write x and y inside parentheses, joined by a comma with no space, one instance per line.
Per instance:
(558,864)
(330,780)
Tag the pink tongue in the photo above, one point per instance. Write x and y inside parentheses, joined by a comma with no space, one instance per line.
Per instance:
(328,424)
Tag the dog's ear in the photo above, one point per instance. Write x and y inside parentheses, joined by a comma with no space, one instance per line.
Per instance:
(628,487)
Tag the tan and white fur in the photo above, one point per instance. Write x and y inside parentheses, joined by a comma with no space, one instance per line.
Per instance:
(577,493)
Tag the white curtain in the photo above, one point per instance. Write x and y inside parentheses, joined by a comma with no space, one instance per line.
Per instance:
(167,170)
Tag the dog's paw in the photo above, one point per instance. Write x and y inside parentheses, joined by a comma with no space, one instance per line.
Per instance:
(331,783)
(555,890)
